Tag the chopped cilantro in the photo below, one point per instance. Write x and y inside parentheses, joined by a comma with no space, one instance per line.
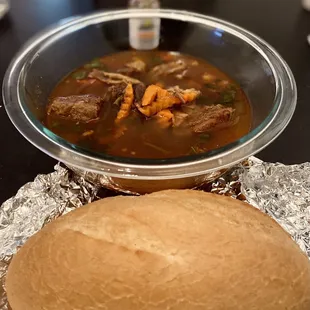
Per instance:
(228,96)
(79,75)
(95,63)
(204,136)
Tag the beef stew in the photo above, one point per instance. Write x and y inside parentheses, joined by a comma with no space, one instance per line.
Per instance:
(149,104)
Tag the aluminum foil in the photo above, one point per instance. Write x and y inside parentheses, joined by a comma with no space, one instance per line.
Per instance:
(281,191)
(35,204)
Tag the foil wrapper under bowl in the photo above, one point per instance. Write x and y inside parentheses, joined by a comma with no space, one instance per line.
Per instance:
(281,191)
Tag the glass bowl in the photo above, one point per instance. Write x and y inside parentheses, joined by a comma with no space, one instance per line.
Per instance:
(53,53)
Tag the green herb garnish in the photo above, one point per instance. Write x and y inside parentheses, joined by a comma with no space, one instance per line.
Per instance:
(79,75)
(204,136)
(228,96)
(118,100)
(232,87)
(157,148)
(194,150)
(95,63)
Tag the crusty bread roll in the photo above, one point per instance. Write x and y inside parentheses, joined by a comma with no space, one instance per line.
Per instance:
(176,250)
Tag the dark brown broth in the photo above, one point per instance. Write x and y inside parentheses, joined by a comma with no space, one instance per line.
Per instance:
(143,137)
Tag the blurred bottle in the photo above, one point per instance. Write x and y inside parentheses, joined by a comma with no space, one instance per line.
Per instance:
(144,33)
(306,4)
(4,7)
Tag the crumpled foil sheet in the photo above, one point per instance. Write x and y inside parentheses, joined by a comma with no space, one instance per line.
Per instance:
(35,204)
(281,191)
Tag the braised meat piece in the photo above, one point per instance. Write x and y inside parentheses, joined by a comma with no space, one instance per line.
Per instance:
(185,95)
(139,90)
(135,66)
(179,118)
(83,108)
(169,68)
(211,117)
(112,78)
(115,93)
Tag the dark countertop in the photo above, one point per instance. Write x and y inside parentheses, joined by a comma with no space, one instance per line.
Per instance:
(282,23)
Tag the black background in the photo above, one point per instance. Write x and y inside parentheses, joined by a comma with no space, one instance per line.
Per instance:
(282,23)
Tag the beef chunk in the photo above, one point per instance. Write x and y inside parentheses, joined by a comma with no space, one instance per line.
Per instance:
(115,92)
(139,90)
(179,118)
(112,78)
(211,117)
(169,68)
(83,108)
(185,95)
(135,66)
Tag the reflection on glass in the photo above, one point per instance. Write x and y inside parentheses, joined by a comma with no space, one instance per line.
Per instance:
(4,7)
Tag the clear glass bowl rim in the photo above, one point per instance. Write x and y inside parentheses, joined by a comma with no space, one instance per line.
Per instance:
(284,104)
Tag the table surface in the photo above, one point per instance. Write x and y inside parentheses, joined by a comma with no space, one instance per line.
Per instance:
(282,23)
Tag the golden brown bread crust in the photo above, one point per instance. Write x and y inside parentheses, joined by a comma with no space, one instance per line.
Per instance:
(176,250)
